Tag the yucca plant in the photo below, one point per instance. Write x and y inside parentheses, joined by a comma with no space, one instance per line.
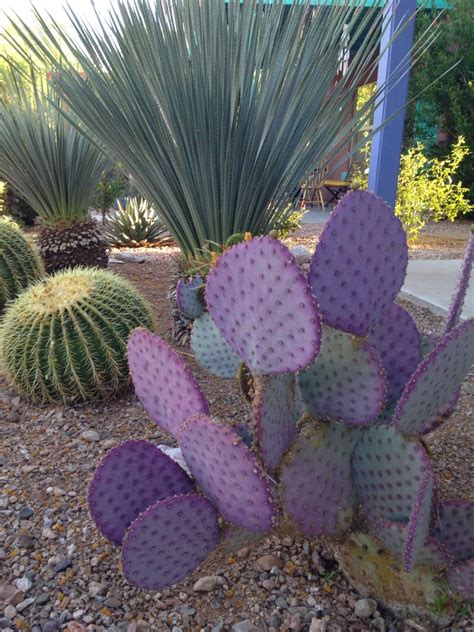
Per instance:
(136,223)
(218,109)
(55,168)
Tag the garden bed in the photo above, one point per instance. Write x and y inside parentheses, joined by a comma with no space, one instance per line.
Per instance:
(68,573)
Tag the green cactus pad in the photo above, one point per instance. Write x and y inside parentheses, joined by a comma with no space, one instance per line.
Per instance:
(20,264)
(436,380)
(228,473)
(274,417)
(189,297)
(347,382)
(169,541)
(65,338)
(211,349)
(316,479)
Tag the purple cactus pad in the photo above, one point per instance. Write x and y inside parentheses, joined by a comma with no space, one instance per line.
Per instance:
(419,523)
(347,382)
(316,479)
(359,264)
(454,527)
(389,470)
(169,541)
(129,478)
(228,473)
(262,304)
(212,350)
(398,343)
(394,536)
(461,580)
(457,302)
(188,297)
(274,417)
(436,380)
(163,381)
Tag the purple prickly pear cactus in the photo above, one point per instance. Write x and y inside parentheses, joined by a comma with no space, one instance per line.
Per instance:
(169,541)
(461,579)
(347,382)
(274,417)
(188,297)
(316,481)
(436,380)
(211,349)
(228,473)
(261,303)
(163,381)
(454,527)
(459,296)
(359,264)
(397,341)
(129,478)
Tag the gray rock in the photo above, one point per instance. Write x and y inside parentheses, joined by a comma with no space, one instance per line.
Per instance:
(10,612)
(91,436)
(317,625)
(24,584)
(26,603)
(301,254)
(245,626)
(5,624)
(7,591)
(281,602)
(267,562)
(96,588)
(365,608)
(25,513)
(63,565)
(42,598)
(128,256)
(218,627)
(51,626)
(207,584)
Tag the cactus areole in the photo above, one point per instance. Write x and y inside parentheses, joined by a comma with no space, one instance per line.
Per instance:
(341,396)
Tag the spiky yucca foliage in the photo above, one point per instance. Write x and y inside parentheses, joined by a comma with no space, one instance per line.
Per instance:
(65,338)
(218,109)
(20,264)
(135,224)
(55,168)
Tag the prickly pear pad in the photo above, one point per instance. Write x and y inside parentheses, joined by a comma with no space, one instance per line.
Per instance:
(347,381)
(228,473)
(188,297)
(274,417)
(419,524)
(359,264)
(388,471)
(398,343)
(316,479)
(454,527)
(211,349)
(262,304)
(163,381)
(461,580)
(436,380)
(394,537)
(129,478)
(169,541)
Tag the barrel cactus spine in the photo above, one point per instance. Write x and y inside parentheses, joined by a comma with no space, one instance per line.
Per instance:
(65,338)
(342,399)
(20,264)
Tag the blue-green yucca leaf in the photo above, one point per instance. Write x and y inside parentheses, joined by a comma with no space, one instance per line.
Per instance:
(48,161)
(218,109)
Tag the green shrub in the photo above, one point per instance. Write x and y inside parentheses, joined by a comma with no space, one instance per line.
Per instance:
(426,187)
(135,224)
(65,338)
(20,264)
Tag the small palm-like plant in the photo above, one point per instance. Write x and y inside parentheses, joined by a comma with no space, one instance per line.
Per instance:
(135,224)
(55,168)
(218,109)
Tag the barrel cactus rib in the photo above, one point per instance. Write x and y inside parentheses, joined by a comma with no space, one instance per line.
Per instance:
(436,380)
(252,292)
(163,381)
(169,541)
(359,264)
(130,478)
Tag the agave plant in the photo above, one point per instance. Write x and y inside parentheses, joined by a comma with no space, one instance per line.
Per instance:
(55,168)
(218,109)
(135,224)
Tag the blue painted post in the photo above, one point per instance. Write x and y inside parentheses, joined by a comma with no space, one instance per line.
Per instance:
(387,142)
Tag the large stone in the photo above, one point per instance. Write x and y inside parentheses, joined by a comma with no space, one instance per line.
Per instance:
(267,562)
(207,584)
(245,626)
(365,608)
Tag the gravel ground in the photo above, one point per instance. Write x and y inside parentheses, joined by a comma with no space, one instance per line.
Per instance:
(56,572)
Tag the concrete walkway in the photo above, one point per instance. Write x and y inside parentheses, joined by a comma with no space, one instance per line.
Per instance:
(432,282)
(429,282)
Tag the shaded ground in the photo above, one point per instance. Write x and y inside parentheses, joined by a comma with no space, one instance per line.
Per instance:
(72,575)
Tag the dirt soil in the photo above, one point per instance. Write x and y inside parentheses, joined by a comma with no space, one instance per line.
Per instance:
(66,576)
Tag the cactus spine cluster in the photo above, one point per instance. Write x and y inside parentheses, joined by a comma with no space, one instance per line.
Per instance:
(65,338)
(20,264)
(342,398)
